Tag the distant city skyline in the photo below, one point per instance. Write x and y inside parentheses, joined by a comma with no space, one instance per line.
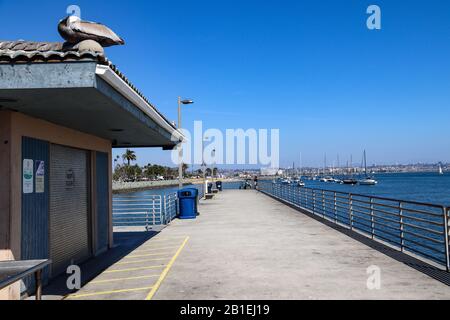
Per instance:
(311,69)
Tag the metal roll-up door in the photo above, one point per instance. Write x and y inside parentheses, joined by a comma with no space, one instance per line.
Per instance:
(69,207)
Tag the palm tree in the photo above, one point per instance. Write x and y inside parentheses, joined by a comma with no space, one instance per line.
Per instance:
(185,168)
(129,156)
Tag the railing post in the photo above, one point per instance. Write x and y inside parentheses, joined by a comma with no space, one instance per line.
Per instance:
(335,208)
(299,193)
(402,233)
(350,209)
(154,213)
(293,194)
(372,218)
(323,204)
(447,257)
(166,221)
(306,199)
(314,200)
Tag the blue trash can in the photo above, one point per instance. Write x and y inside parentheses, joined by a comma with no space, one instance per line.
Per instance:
(187,201)
(196,194)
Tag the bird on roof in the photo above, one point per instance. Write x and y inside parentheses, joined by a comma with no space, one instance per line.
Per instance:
(74,31)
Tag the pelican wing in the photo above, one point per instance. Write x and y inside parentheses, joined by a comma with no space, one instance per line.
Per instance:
(97,30)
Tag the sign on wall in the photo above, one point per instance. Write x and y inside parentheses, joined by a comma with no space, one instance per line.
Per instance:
(70,179)
(40,176)
(27,176)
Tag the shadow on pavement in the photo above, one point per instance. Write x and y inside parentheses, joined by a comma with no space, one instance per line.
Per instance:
(124,244)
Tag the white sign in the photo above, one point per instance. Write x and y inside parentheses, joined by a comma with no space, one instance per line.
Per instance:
(27,175)
(40,176)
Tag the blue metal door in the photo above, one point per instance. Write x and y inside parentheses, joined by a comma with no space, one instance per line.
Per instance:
(35,203)
(102,191)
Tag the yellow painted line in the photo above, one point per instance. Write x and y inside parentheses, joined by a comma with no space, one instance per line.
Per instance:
(101,293)
(142,250)
(140,261)
(149,255)
(134,269)
(166,271)
(123,279)
(156,241)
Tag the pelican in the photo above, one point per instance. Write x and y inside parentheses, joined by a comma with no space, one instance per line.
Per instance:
(74,30)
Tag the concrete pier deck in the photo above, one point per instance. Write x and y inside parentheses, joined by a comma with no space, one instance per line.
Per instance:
(245,245)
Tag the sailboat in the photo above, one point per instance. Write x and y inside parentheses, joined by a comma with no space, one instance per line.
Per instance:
(441,171)
(350,180)
(367,181)
(325,177)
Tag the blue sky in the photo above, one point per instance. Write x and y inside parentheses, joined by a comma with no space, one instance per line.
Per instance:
(310,68)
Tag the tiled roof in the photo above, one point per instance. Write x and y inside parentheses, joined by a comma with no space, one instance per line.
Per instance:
(26,52)
(16,52)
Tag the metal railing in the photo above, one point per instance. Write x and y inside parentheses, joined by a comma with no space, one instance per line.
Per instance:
(415,228)
(170,208)
(144,211)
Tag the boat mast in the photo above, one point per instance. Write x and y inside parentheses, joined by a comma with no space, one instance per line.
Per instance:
(338,164)
(301,164)
(365,163)
(351,166)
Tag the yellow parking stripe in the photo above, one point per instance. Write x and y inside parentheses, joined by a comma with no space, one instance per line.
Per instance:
(162,241)
(157,240)
(78,296)
(142,250)
(123,279)
(149,255)
(166,271)
(140,261)
(134,269)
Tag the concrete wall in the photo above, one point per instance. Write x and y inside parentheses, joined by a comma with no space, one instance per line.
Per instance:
(14,126)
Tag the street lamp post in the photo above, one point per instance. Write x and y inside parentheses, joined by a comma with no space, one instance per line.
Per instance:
(204,166)
(180,148)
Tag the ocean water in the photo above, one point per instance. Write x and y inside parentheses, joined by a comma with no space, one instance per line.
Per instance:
(170,190)
(141,208)
(421,187)
(150,192)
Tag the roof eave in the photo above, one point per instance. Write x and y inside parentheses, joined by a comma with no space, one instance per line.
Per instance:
(111,77)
